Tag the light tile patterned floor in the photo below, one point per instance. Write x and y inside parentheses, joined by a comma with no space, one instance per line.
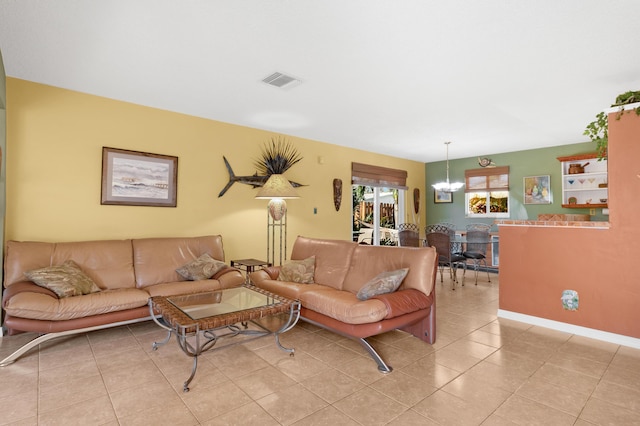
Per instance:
(481,370)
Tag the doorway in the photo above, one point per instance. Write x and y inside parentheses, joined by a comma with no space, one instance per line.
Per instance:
(376,213)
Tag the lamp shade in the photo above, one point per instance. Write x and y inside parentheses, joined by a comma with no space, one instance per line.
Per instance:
(277,186)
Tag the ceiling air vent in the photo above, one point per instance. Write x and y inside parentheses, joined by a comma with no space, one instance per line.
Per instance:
(280,80)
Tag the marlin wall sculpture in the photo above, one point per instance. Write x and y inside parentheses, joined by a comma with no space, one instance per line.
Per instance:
(254,180)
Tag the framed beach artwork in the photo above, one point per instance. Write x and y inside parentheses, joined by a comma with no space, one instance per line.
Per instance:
(133,178)
(442,197)
(537,189)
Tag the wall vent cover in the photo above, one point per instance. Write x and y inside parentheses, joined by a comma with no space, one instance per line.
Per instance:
(281,80)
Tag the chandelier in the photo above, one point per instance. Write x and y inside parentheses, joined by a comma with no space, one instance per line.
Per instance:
(448,186)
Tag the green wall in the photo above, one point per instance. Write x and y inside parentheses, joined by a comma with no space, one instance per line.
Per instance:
(532,162)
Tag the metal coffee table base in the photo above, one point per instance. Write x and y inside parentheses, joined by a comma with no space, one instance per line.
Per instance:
(205,339)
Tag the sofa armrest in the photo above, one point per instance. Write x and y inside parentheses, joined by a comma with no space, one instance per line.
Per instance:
(229,277)
(272,271)
(225,270)
(24,286)
(404,302)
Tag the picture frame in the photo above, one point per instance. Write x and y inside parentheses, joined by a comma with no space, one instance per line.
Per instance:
(537,190)
(134,178)
(442,197)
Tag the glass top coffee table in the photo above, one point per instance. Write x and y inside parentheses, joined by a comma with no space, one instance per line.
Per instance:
(199,320)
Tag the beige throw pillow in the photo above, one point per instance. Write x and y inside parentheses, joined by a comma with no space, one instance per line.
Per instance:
(298,271)
(385,282)
(64,280)
(201,268)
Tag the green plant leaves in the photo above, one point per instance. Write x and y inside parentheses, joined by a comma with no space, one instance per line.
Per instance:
(598,132)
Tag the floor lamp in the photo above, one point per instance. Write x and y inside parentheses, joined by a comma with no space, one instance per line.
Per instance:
(276,189)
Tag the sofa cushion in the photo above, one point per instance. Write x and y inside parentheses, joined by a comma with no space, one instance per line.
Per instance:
(156,259)
(64,280)
(369,261)
(45,307)
(333,258)
(202,268)
(109,263)
(384,282)
(298,271)
(290,290)
(343,306)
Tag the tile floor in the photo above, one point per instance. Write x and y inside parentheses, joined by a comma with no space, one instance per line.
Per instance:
(481,371)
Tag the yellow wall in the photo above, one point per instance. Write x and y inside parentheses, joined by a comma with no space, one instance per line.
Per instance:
(54,159)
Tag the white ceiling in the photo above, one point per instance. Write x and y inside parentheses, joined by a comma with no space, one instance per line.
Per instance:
(397,77)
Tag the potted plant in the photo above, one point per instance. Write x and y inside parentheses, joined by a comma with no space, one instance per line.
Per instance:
(598,130)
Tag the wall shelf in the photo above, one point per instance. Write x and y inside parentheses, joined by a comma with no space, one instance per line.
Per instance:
(586,189)
(584,206)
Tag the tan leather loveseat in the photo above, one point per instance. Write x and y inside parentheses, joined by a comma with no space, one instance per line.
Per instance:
(127,272)
(342,268)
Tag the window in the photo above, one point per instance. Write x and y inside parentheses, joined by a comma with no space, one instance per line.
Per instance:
(378,201)
(487,192)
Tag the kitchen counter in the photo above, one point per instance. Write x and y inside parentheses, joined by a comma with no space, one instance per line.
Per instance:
(554,223)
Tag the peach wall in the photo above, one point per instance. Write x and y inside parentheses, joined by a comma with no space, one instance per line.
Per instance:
(538,263)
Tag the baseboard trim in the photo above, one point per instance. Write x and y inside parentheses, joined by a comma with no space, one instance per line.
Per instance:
(605,336)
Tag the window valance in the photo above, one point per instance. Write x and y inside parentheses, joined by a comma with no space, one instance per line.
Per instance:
(487,179)
(368,175)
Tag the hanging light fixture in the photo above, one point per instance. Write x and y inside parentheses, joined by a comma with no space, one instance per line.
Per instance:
(448,186)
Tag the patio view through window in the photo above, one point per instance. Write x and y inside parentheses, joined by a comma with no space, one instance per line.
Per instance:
(367,201)
(378,201)
(488,204)
(487,192)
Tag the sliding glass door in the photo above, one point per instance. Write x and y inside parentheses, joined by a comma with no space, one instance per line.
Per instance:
(376,211)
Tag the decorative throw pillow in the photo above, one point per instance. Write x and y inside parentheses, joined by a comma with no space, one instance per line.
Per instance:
(385,282)
(64,280)
(201,268)
(298,271)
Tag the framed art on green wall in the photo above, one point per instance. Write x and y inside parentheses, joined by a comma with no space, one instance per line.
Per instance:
(537,189)
(442,197)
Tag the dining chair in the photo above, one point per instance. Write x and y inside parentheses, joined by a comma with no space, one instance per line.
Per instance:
(442,243)
(456,246)
(449,225)
(476,251)
(408,235)
(436,227)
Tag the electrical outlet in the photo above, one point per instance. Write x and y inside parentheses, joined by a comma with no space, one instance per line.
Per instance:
(592,212)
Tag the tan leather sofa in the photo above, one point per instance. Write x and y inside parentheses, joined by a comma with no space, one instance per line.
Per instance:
(128,272)
(342,268)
